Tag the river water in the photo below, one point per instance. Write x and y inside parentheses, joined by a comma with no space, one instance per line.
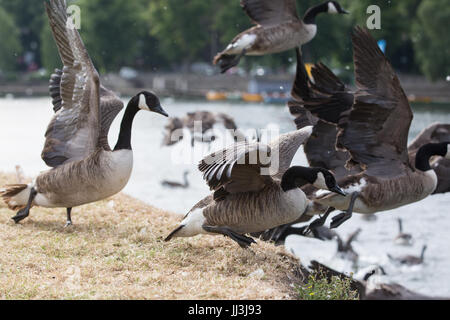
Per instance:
(23,123)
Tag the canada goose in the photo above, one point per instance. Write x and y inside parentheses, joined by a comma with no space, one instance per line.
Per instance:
(206,120)
(172,184)
(409,259)
(278,28)
(369,129)
(244,199)
(402,238)
(85,169)
(326,91)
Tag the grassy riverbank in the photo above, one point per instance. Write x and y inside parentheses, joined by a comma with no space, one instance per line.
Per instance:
(115,251)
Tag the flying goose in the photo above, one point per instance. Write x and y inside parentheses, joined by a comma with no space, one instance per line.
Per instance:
(372,128)
(277,28)
(205,119)
(327,91)
(173,184)
(85,169)
(409,259)
(246,198)
(402,238)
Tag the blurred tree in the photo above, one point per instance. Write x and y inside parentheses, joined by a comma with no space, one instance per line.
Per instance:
(29,22)
(112,31)
(10,47)
(396,20)
(431,43)
(49,52)
(183,29)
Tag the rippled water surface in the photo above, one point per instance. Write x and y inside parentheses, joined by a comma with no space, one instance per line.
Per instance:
(23,123)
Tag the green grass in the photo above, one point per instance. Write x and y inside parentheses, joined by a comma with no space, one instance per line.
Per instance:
(318,287)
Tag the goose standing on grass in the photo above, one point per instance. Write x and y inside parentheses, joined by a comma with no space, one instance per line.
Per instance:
(404,239)
(410,260)
(278,28)
(85,169)
(373,128)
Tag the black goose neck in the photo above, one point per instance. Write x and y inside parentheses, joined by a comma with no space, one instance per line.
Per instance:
(295,177)
(424,154)
(311,13)
(124,140)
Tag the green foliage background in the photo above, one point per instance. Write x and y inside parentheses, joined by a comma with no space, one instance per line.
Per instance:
(172,34)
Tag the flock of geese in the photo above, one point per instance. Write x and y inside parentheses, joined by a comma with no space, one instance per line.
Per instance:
(355,142)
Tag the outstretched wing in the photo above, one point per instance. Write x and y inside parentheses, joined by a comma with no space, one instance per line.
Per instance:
(270,12)
(376,130)
(110,106)
(327,98)
(237,168)
(74,130)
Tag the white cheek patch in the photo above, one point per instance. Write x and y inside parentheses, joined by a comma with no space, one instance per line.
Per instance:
(142,103)
(320,182)
(332,8)
(447,156)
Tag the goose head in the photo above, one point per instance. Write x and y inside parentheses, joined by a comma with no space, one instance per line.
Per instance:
(334,7)
(297,176)
(145,100)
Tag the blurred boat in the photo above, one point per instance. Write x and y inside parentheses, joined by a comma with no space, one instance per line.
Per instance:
(252,97)
(215,96)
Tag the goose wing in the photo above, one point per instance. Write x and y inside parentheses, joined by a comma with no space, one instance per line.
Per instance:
(270,12)
(435,133)
(110,106)
(237,168)
(74,130)
(325,98)
(376,130)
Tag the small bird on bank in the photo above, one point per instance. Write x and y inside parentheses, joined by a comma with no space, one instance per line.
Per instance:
(85,169)
(278,28)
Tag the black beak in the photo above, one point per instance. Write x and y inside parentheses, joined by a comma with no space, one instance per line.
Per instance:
(338,190)
(160,110)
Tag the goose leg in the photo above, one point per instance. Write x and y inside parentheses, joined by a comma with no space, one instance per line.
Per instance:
(230,63)
(23,213)
(69,217)
(344,216)
(242,241)
(318,222)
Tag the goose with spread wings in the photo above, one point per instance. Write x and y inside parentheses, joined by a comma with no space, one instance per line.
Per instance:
(325,93)
(254,188)
(372,130)
(277,28)
(84,168)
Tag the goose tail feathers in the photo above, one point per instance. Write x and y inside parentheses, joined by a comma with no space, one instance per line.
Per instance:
(15,195)
(174,232)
